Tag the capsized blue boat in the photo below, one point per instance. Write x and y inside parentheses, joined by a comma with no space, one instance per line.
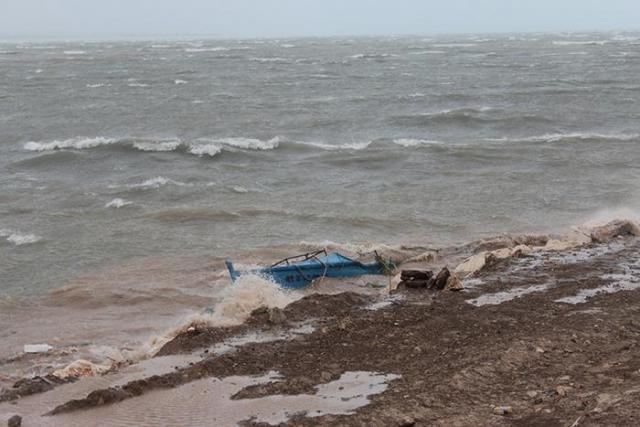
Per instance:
(293,275)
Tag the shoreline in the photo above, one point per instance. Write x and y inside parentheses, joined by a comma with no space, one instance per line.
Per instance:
(513,300)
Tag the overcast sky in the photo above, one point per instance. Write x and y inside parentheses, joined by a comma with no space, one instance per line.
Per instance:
(93,19)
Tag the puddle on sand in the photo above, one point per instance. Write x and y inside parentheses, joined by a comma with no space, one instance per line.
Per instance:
(44,402)
(388,301)
(258,337)
(208,403)
(39,404)
(628,280)
(504,296)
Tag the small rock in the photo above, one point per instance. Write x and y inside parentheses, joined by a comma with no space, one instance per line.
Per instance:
(503,410)
(277,316)
(614,229)
(326,377)
(532,393)
(454,283)
(563,390)
(441,279)
(539,350)
(407,422)
(15,421)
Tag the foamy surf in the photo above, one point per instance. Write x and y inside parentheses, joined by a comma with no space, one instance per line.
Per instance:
(237,301)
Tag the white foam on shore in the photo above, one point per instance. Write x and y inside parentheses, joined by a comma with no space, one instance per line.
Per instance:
(504,296)
(628,280)
(237,302)
(117,203)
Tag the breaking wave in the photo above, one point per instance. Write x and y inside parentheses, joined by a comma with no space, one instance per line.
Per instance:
(199,147)
(411,142)
(237,302)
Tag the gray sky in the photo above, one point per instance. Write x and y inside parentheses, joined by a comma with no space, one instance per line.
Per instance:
(93,19)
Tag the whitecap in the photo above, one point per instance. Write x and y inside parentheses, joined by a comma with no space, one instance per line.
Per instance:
(277,60)
(338,147)
(153,183)
(159,146)
(247,143)
(239,189)
(137,85)
(372,55)
(454,45)
(558,137)
(579,43)
(77,143)
(19,239)
(74,52)
(205,149)
(207,49)
(95,85)
(180,82)
(412,142)
(117,203)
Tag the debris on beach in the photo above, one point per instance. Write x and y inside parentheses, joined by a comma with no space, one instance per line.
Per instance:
(425,279)
(300,270)
(81,368)
(37,348)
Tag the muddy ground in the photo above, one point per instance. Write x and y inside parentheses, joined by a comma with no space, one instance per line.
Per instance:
(551,363)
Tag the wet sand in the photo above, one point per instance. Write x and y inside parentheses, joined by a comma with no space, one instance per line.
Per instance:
(550,334)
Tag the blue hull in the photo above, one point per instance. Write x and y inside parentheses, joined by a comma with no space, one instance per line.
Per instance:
(300,274)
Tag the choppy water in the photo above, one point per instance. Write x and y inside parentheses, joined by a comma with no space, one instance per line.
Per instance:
(110,152)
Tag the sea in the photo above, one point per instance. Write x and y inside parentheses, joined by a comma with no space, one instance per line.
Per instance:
(128,167)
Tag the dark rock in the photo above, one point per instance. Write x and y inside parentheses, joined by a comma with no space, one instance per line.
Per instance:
(422,275)
(441,279)
(413,284)
(15,421)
